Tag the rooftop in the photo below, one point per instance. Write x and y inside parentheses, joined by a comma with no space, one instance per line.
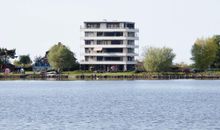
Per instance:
(105,21)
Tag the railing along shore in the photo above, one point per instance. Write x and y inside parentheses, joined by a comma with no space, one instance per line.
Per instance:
(97,76)
(145,77)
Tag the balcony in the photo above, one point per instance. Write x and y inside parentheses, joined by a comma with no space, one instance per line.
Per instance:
(102,29)
(110,38)
(109,54)
(110,46)
(107,62)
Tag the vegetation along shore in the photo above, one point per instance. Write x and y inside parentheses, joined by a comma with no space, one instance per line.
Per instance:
(59,62)
(79,75)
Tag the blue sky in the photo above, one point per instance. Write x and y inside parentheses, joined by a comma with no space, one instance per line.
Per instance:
(33,26)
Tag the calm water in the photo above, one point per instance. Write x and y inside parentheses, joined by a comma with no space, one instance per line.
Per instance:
(111,105)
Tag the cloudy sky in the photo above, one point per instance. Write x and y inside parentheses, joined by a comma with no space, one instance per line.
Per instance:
(33,26)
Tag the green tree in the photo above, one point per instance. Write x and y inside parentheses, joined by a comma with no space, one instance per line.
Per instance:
(24,60)
(60,57)
(158,59)
(216,40)
(17,63)
(204,53)
(6,54)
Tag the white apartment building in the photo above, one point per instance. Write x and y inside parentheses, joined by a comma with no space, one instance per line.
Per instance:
(108,46)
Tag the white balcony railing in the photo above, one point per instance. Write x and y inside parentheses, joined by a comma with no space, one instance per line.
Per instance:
(109,29)
(110,38)
(110,54)
(108,62)
(111,46)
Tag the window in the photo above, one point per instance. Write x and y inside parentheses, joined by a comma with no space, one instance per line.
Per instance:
(92,25)
(101,42)
(90,34)
(99,34)
(130,42)
(109,34)
(129,25)
(113,50)
(117,42)
(113,25)
(130,58)
(130,50)
(99,58)
(89,42)
(113,58)
(131,34)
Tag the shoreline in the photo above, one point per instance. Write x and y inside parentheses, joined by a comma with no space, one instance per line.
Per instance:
(109,76)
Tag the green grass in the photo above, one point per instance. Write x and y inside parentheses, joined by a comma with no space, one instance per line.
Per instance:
(77,72)
(11,74)
(29,72)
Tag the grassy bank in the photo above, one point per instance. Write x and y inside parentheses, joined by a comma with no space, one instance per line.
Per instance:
(31,76)
(82,75)
(143,75)
(74,73)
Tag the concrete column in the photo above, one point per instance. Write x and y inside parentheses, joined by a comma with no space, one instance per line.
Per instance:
(125,50)
(125,58)
(125,67)
(95,42)
(125,42)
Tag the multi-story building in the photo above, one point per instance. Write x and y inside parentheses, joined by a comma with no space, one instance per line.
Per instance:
(109,46)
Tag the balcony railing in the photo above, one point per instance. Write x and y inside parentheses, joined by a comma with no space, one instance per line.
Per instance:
(108,62)
(110,38)
(109,29)
(110,46)
(109,54)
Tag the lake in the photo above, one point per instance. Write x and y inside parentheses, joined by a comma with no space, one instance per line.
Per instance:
(110,105)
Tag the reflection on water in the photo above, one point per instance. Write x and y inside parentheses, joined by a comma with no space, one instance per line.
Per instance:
(127,105)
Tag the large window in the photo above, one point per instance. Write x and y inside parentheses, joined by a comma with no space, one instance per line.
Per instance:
(109,34)
(117,42)
(130,42)
(89,42)
(99,58)
(90,34)
(131,34)
(130,50)
(88,50)
(130,58)
(103,42)
(113,58)
(113,50)
(113,25)
(93,25)
(129,25)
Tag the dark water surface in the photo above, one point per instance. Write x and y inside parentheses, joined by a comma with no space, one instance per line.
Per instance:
(110,105)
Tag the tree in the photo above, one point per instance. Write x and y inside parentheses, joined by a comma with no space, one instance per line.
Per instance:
(5,55)
(216,40)
(41,61)
(24,60)
(158,59)
(38,59)
(60,57)
(17,63)
(204,53)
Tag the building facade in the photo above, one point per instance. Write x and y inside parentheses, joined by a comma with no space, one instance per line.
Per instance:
(109,46)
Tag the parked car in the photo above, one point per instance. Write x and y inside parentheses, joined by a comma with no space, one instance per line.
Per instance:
(194,70)
(52,73)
